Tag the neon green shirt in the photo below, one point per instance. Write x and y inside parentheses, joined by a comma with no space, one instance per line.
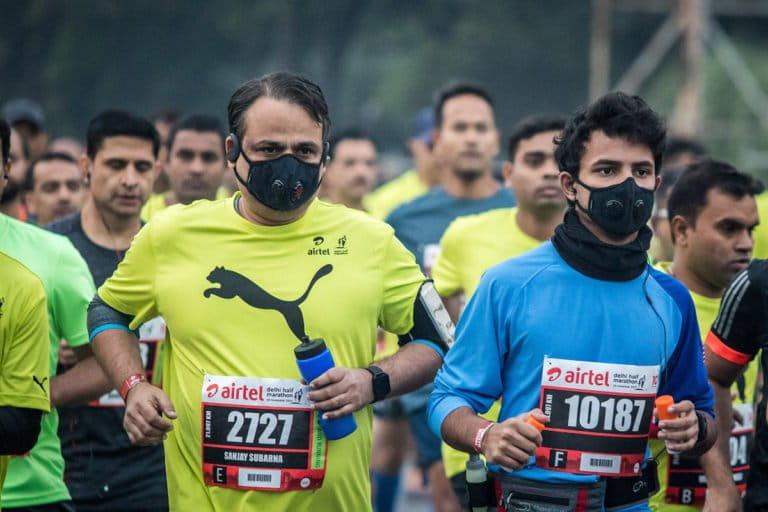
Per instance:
(392,194)
(470,246)
(235,297)
(706,313)
(37,479)
(157,203)
(24,345)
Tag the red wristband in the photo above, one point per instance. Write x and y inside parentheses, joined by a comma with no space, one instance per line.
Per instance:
(130,382)
(480,435)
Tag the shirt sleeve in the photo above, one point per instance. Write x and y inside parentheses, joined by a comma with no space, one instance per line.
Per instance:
(72,292)
(24,377)
(131,289)
(685,376)
(471,375)
(741,321)
(445,272)
(402,279)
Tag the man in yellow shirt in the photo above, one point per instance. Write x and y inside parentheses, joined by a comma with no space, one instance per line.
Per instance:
(240,282)
(23,359)
(24,350)
(414,182)
(712,215)
(474,243)
(195,164)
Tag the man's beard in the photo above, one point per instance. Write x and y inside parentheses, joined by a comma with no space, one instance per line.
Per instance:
(468,175)
(11,191)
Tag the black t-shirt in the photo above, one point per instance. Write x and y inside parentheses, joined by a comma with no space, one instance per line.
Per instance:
(103,469)
(738,334)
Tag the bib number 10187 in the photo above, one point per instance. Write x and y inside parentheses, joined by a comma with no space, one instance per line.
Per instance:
(607,414)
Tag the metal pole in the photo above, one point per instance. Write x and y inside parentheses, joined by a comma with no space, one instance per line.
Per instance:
(600,49)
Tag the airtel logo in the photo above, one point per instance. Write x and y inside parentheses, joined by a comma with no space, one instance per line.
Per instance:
(212,390)
(554,373)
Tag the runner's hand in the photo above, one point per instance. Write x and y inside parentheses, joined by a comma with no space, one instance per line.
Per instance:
(341,391)
(512,442)
(723,499)
(681,433)
(143,421)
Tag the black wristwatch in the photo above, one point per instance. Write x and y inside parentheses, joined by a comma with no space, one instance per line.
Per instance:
(702,427)
(380,383)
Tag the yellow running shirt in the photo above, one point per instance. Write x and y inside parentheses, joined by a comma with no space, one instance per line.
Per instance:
(156,203)
(236,296)
(470,246)
(706,312)
(24,346)
(392,194)
(761,231)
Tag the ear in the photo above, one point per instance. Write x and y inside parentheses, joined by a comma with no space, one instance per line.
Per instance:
(658,182)
(232,148)
(507,170)
(680,230)
(567,182)
(84,162)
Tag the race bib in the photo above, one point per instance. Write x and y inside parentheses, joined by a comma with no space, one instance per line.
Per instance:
(261,434)
(600,416)
(151,337)
(686,482)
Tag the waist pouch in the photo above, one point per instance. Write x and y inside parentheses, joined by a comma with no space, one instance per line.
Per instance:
(520,494)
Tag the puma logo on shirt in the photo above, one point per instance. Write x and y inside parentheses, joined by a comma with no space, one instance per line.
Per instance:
(234,284)
(40,383)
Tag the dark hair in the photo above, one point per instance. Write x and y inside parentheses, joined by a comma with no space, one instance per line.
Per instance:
(197,123)
(24,143)
(530,126)
(29,179)
(350,134)
(5,136)
(678,145)
(283,86)
(167,115)
(457,89)
(617,115)
(689,195)
(114,123)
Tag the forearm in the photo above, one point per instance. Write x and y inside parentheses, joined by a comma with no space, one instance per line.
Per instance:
(411,367)
(117,351)
(717,468)
(82,383)
(723,417)
(460,427)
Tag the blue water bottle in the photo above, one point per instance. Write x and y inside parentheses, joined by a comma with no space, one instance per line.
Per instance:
(314,359)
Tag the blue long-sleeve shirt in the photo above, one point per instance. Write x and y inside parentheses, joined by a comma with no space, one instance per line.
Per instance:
(536,306)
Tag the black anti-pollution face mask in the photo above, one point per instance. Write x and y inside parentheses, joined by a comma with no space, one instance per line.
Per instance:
(620,209)
(283,184)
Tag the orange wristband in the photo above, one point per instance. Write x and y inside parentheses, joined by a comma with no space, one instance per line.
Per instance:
(130,382)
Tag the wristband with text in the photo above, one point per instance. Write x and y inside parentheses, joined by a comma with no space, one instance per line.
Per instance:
(480,435)
(130,382)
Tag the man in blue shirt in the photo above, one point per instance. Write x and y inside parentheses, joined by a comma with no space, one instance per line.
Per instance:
(581,334)
(466,141)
